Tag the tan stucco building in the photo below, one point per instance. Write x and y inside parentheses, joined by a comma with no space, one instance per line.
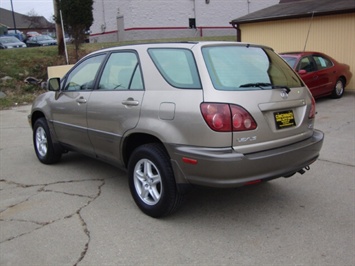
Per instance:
(326,26)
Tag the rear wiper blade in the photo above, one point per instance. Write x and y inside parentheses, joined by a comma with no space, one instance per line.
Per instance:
(258,84)
(262,86)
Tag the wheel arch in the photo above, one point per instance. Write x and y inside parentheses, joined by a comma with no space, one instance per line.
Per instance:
(35,116)
(343,78)
(135,140)
(47,151)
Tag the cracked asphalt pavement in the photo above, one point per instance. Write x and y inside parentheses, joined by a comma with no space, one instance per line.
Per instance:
(80,212)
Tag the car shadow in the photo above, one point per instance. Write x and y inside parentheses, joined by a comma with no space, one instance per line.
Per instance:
(263,199)
(242,204)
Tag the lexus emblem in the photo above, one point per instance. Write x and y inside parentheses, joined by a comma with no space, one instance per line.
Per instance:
(284,94)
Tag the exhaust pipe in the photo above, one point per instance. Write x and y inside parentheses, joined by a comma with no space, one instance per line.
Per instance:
(302,171)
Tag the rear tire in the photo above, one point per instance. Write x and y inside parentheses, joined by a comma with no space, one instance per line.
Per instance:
(151,181)
(42,143)
(339,88)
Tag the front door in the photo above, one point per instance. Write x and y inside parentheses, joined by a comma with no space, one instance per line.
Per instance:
(70,106)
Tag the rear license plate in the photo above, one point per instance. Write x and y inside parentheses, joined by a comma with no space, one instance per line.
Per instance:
(284,119)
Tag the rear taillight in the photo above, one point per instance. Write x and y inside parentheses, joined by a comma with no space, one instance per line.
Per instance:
(224,117)
(312,112)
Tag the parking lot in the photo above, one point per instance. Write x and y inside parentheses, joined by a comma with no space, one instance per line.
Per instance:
(80,212)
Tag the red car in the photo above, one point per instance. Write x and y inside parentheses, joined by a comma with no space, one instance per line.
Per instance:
(322,74)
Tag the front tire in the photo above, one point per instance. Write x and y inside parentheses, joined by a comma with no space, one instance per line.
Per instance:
(151,181)
(42,141)
(339,88)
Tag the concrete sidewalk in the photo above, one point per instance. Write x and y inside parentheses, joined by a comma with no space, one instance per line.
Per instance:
(80,212)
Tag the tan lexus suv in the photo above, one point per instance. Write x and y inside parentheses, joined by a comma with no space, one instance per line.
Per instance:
(217,114)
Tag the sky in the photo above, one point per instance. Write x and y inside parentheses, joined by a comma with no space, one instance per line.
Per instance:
(40,7)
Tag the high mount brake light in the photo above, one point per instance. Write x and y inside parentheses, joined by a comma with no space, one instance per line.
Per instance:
(224,117)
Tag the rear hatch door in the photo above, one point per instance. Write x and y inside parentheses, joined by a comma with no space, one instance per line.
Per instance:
(259,81)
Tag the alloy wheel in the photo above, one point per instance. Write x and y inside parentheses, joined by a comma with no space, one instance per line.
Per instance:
(147,182)
(41,142)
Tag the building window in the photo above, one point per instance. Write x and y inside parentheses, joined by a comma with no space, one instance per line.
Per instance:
(192,23)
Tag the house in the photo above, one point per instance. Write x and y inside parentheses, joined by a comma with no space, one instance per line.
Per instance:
(141,19)
(25,23)
(326,26)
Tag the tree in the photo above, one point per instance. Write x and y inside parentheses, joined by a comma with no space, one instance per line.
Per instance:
(34,19)
(77,19)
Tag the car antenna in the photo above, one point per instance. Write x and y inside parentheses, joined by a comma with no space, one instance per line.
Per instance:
(309,29)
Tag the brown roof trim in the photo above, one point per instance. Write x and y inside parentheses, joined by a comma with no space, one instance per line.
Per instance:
(319,14)
(298,9)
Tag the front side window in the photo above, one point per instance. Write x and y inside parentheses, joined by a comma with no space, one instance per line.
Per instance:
(121,72)
(306,63)
(177,66)
(236,68)
(83,76)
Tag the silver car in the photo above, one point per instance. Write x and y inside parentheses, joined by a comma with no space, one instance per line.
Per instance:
(217,114)
(9,42)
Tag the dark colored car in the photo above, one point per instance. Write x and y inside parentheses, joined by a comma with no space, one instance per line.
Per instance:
(322,74)
(41,40)
(18,34)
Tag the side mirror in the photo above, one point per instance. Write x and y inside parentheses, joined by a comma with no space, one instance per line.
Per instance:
(302,72)
(53,84)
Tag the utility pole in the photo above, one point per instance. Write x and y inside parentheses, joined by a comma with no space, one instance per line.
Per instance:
(13,16)
(58,28)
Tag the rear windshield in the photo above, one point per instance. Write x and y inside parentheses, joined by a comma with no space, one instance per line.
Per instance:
(9,40)
(235,67)
(290,60)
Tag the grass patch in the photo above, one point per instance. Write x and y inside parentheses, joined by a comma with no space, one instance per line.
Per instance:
(18,64)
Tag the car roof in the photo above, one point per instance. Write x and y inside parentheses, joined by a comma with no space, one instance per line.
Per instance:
(187,45)
(9,37)
(303,53)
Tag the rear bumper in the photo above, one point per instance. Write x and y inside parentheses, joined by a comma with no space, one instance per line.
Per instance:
(223,167)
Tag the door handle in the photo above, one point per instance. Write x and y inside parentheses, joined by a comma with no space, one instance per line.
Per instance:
(81,100)
(130,102)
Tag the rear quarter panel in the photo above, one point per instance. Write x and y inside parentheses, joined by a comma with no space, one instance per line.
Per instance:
(173,115)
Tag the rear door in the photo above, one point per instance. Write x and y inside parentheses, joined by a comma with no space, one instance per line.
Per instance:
(326,74)
(114,107)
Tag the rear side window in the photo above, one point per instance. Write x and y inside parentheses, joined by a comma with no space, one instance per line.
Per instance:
(177,66)
(322,62)
(233,67)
